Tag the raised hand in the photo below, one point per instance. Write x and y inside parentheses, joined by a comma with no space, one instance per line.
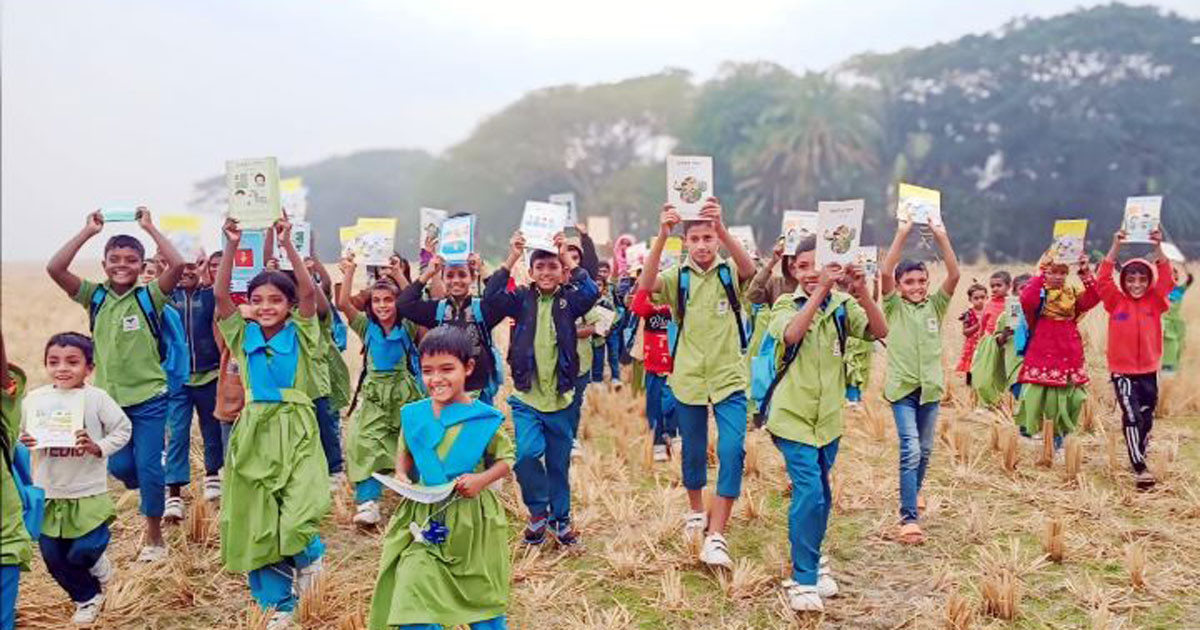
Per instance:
(233,233)
(668,219)
(94,223)
(144,220)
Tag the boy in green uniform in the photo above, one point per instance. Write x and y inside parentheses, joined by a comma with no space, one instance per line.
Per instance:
(709,366)
(804,415)
(128,365)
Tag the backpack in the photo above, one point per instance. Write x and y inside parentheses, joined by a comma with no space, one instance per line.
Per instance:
(33,498)
(765,375)
(166,328)
(496,379)
(735,304)
(338,330)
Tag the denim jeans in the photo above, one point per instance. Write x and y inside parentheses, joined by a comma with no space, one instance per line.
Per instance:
(543,460)
(10,581)
(139,464)
(581,383)
(271,585)
(612,349)
(660,408)
(69,561)
(812,498)
(731,444)
(915,425)
(329,425)
(180,405)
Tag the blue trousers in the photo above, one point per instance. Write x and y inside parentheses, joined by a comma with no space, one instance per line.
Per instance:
(544,460)
(853,394)
(495,623)
(139,464)
(271,585)
(329,424)
(812,498)
(731,444)
(611,348)
(10,582)
(581,383)
(203,400)
(915,425)
(226,431)
(660,408)
(369,489)
(69,559)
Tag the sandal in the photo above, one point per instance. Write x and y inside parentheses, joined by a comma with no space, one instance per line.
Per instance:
(911,534)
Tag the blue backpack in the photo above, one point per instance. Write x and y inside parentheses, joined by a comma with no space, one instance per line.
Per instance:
(735,304)
(338,330)
(167,329)
(765,374)
(33,498)
(496,379)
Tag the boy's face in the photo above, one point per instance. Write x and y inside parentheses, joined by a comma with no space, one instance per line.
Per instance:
(383,305)
(547,273)
(67,366)
(190,278)
(977,299)
(603,271)
(914,285)
(999,287)
(1136,283)
(574,256)
(457,280)
(702,243)
(149,272)
(804,270)
(122,265)
(269,305)
(1019,286)
(445,376)
(1056,276)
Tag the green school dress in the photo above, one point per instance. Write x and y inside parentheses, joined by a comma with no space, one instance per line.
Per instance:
(389,384)
(858,362)
(1174,331)
(276,478)
(16,548)
(464,579)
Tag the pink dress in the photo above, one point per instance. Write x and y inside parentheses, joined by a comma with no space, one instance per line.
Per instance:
(968,351)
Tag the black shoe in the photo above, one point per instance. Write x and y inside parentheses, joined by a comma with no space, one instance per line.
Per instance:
(565,535)
(535,530)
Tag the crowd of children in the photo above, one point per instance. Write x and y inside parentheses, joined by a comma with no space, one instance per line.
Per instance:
(262,371)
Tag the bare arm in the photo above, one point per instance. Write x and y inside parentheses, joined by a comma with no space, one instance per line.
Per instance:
(306,290)
(649,279)
(887,275)
(942,238)
(345,299)
(59,265)
(169,277)
(876,322)
(743,261)
(798,327)
(225,305)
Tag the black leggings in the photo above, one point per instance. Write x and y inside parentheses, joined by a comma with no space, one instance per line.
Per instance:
(1137,395)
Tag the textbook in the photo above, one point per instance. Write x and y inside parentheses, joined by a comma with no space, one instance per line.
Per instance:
(797,224)
(253,191)
(457,239)
(413,492)
(1171,251)
(868,259)
(301,240)
(348,236)
(1142,215)
(920,206)
(376,240)
(689,183)
(183,230)
(52,416)
(745,235)
(600,229)
(431,223)
(293,198)
(119,212)
(839,228)
(1069,237)
(248,260)
(635,254)
(566,200)
(541,222)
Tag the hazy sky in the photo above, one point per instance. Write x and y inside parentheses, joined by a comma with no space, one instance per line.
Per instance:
(138,99)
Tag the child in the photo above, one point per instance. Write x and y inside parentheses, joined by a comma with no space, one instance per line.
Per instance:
(1000,283)
(332,377)
(709,366)
(128,365)
(972,327)
(448,438)
(581,252)
(1053,377)
(276,488)
(78,509)
(1135,314)
(544,360)
(766,287)
(387,383)
(915,381)
(610,346)
(656,356)
(1174,324)
(998,356)
(859,354)
(16,548)
(196,304)
(804,414)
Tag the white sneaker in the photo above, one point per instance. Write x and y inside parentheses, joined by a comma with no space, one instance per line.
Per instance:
(152,553)
(212,487)
(103,570)
(367,514)
(306,576)
(802,598)
(173,512)
(826,586)
(660,453)
(694,523)
(677,446)
(87,612)
(280,620)
(715,552)
(576,449)
(337,482)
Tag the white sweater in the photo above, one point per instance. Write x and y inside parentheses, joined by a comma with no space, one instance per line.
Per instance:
(70,473)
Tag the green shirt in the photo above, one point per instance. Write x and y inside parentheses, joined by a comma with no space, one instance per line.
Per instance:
(127,363)
(200,379)
(807,404)
(915,347)
(708,362)
(584,345)
(308,332)
(543,387)
(72,518)
(321,387)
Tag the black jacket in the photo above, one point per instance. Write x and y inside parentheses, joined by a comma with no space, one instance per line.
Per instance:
(571,302)
(412,306)
(196,310)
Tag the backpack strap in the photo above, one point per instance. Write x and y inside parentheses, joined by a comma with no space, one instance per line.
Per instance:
(98,297)
(789,357)
(442,307)
(731,295)
(477,315)
(839,322)
(681,300)
(152,319)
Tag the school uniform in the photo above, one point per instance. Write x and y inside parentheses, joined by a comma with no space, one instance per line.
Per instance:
(321,392)
(199,393)
(16,547)
(584,348)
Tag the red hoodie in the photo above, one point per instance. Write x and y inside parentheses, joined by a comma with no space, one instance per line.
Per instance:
(1135,336)
(658,317)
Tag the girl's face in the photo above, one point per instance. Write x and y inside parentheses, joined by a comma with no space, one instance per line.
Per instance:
(914,285)
(383,305)
(66,366)
(149,272)
(977,299)
(1056,276)
(804,270)
(457,280)
(213,263)
(445,376)
(270,306)
(999,287)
